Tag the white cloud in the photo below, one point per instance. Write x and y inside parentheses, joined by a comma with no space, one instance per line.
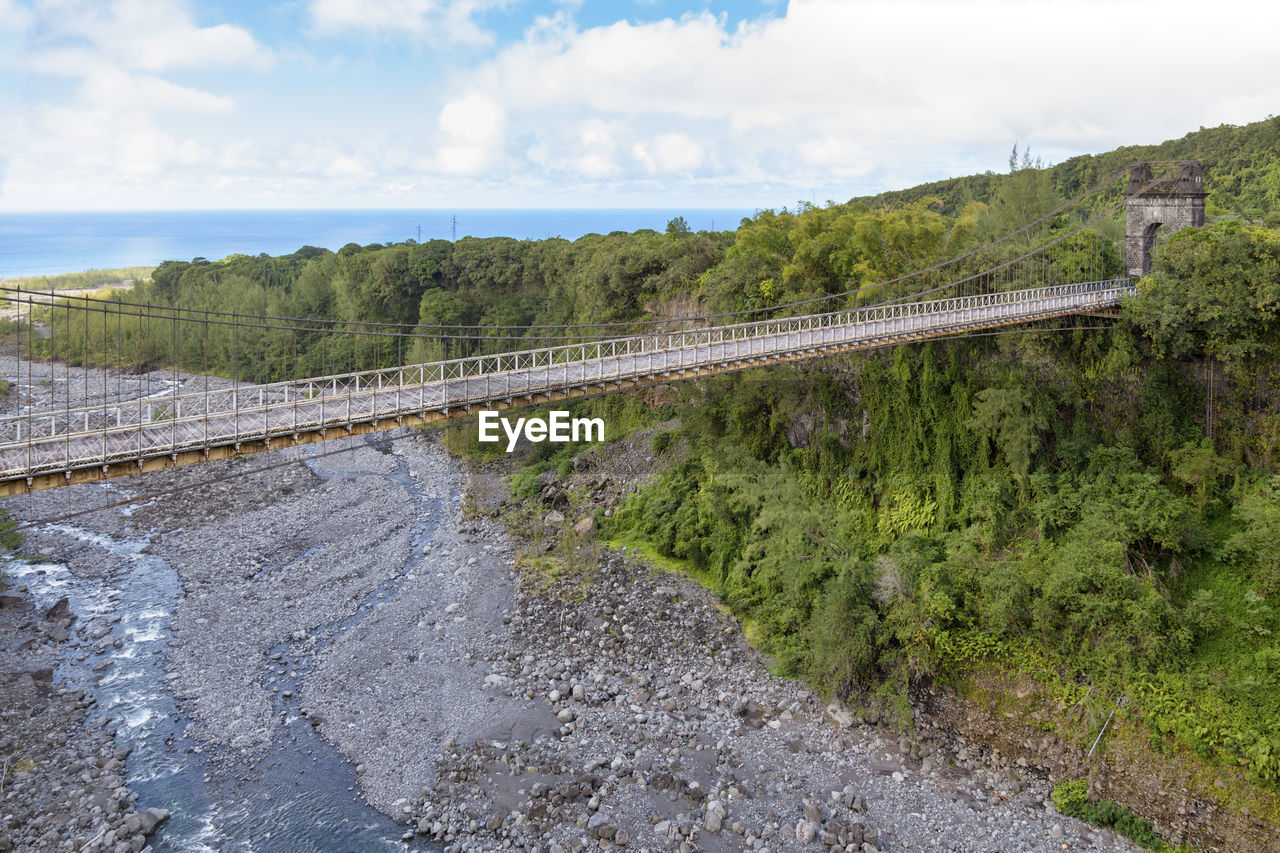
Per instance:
(596,149)
(148,35)
(462,159)
(347,167)
(121,130)
(473,128)
(96,147)
(14,20)
(841,95)
(475,119)
(144,98)
(433,20)
(115,90)
(13,17)
(669,152)
(118,49)
(839,154)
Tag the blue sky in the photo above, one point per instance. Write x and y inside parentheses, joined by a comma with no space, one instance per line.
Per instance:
(183,104)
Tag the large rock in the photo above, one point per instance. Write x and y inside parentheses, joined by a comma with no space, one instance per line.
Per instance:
(805,831)
(553,519)
(585,526)
(800,429)
(840,715)
(60,610)
(150,819)
(715,816)
(598,826)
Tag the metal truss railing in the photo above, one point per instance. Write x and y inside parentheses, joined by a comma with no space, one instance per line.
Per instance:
(108,433)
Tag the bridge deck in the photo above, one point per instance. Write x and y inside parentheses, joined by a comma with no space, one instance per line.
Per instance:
(44,449)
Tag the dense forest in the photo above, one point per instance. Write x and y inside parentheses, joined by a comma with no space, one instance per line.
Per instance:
(1098,502)
(1241,165)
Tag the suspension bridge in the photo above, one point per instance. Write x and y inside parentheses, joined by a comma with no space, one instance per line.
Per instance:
(91,431)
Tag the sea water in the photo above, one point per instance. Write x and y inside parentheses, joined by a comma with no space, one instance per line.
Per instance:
(51,243)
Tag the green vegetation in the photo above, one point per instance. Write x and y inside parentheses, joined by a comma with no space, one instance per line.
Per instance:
(80,280)
(1044,497)
(1098,508)
(426,290)
(1071,799)
(10,540)
(1241,166)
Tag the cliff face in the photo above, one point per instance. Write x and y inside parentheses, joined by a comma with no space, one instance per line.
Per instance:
(1209,807)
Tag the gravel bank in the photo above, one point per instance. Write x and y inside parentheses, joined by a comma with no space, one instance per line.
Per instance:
(343,589)
(482,709)
(61,774)
(673,735)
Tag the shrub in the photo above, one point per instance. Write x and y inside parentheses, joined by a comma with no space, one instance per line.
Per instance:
(1071,798)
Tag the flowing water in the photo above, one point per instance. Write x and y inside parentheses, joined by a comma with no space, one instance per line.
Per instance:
(302,794)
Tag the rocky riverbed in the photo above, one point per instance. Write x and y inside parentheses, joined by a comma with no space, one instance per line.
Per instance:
(61,773)
(673,736)
(343,630)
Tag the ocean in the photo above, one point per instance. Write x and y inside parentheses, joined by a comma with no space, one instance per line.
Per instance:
(51,243)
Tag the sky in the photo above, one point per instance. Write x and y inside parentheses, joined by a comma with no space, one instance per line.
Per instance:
(223,104)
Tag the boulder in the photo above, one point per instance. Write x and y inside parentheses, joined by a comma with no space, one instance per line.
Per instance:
(150,819)
(60,610)
(840,715)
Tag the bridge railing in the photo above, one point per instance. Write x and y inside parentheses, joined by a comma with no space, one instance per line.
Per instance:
(109,431)
(250,399)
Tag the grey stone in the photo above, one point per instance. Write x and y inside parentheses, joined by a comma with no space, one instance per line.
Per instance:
(1175,202)
(151,818)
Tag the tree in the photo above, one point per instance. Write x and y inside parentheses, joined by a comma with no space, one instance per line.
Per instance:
(1009,418)
(1215,290)
(1195,464)
(1257,543)
(1024,197)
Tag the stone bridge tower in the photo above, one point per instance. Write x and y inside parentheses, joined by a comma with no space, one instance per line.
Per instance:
(1175,200)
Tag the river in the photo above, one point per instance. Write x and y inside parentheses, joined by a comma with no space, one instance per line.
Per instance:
(301,793)
(323,651)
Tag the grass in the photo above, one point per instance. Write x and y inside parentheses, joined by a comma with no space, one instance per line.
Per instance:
(464,440)
(670,565)
(567,571)
(81,280)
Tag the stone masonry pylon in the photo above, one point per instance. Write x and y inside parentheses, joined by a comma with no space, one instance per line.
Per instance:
(1175,201)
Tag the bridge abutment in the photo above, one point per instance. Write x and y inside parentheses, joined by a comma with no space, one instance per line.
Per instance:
(1174,201)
